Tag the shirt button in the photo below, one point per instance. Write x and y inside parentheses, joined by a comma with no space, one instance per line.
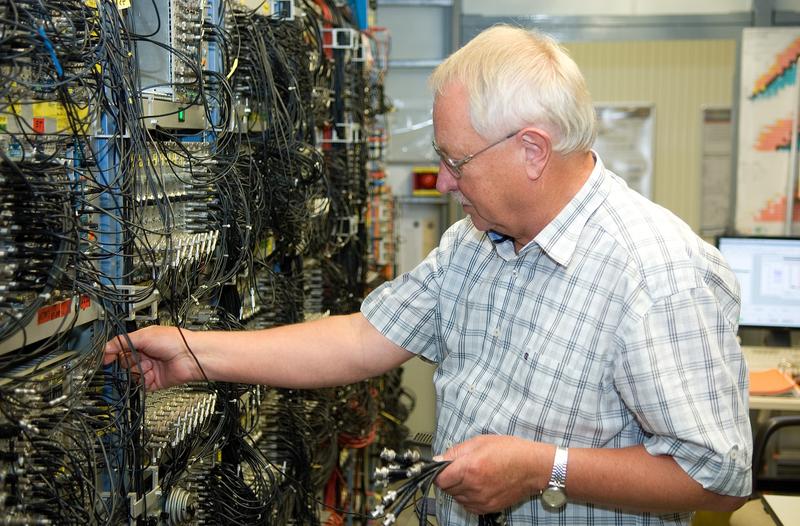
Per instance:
(514,273)
(471,388)
(496,332)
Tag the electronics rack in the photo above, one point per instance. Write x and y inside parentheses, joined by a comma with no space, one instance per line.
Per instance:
(198,163)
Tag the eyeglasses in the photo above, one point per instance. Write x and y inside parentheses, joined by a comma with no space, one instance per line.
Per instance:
(455,165)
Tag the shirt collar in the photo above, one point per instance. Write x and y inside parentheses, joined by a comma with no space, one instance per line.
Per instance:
(560,237)
(497,237)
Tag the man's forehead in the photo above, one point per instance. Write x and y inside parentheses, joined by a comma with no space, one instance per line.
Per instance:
(451,110)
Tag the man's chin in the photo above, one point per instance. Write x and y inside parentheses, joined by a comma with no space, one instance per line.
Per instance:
(479,223)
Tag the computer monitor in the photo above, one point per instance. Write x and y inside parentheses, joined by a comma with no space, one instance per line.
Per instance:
(768,269)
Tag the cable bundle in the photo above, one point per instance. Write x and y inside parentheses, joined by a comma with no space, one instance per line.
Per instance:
(38,239)
(396,404)
(418,475)
(103,206)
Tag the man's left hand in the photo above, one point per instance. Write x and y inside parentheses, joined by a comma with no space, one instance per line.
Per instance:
(490,473)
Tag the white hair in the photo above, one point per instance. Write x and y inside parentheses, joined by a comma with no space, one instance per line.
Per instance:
(517,78)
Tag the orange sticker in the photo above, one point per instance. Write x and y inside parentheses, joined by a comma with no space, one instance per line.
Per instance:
(85,302)
(53,312)
(60,309)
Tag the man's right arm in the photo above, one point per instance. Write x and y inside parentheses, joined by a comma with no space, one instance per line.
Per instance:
(331,351)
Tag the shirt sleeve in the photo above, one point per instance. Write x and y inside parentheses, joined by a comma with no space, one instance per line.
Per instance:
(405,309)
(683,375)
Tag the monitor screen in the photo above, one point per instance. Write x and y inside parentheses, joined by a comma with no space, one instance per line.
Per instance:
(768,269)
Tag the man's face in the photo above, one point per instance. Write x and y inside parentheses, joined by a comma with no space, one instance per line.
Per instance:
(483,185)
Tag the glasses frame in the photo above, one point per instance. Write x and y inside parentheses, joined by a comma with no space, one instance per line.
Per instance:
(455,165)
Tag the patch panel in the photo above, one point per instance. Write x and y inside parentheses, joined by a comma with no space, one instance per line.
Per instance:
(191,163)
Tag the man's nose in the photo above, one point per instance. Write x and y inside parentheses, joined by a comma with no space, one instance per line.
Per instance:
(445,182)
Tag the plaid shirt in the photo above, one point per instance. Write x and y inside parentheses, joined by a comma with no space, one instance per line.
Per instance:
(615,326)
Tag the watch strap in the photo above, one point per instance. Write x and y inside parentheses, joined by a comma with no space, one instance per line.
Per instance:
(558,477)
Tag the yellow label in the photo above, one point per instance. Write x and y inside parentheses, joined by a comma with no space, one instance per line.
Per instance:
(83,116)
(55,110)
(123,4)
(47,109)
(91,4)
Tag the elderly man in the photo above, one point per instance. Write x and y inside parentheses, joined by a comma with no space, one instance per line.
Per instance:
(588,369)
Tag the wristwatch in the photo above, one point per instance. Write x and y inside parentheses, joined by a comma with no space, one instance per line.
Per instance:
(554,496)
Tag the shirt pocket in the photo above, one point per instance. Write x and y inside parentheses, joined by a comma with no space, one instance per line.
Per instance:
(554,392)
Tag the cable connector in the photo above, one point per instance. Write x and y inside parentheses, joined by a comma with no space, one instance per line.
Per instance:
(378,511)
(390,497)
(414,470)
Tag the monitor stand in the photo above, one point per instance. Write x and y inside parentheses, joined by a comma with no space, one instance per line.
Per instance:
(779,338)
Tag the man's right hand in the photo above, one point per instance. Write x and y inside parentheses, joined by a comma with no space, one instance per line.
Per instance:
(160,356)
(336,350)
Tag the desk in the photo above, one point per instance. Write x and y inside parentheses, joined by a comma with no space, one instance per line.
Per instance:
(775,403)
(785,509)
(765,358)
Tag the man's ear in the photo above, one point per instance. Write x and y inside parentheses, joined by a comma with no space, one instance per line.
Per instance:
(538,148)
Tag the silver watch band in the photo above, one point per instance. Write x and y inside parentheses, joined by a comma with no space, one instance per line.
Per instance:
(558,477)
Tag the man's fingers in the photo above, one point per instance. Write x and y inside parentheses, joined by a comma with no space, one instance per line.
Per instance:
(146,375)
(150,380)
(450,477)
(136,363)
(468,501)
(111,350)
(109,357)
(127,360)
(146,365)
(115,347)
(453,474)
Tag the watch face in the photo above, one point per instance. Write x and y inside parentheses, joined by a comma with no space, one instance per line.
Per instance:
(553,497)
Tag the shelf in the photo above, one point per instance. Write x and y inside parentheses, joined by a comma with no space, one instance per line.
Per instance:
(419,200)
(51,320)
(409,64)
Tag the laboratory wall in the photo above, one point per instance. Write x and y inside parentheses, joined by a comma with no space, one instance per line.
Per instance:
(679,77)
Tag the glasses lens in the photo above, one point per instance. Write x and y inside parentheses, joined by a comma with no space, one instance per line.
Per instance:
(446,160)
(454,168)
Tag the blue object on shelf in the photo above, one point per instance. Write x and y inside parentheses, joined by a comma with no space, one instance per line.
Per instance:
(359,8)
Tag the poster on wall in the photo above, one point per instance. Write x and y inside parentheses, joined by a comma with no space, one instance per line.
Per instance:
(768,98)
(625,142)
(716,133)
